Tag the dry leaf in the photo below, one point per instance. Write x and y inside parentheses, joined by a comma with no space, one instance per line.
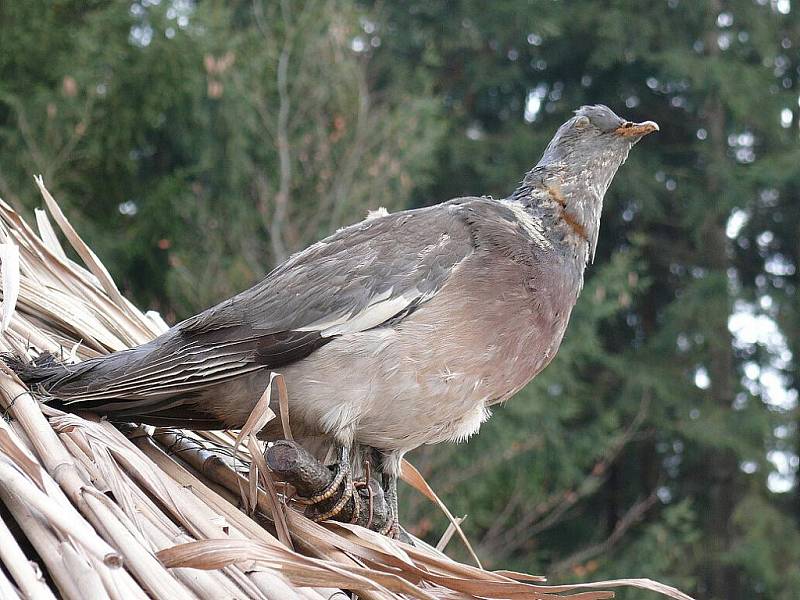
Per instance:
(141,498)
(414,478)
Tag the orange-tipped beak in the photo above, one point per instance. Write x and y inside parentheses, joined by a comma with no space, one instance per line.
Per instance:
(628,129)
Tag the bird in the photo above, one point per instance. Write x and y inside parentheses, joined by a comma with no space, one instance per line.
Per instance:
(404,329)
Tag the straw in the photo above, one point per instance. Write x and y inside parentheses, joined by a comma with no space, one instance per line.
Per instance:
(143,513)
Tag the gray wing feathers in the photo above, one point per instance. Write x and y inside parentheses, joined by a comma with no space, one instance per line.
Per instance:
(357,279)
(356,276)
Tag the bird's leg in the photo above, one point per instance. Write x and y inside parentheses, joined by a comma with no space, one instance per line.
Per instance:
(365,487)
(390,493)
(390,469)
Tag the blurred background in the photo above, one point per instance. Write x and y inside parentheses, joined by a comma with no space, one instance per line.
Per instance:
(196,145)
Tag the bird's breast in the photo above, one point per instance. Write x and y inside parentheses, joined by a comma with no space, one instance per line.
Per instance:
(498,324)
(432,376)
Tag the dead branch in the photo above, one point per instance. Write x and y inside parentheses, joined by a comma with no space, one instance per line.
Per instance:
(633,515)
(554,508)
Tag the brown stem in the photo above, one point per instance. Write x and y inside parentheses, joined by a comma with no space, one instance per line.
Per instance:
(632,516)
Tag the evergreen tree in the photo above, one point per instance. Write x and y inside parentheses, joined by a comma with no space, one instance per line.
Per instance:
(196,145)
(643,449)
(247,126)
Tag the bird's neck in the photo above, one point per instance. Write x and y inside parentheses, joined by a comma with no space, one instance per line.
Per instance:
(570,200)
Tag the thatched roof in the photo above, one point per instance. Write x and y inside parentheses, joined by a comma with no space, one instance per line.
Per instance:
(94,511)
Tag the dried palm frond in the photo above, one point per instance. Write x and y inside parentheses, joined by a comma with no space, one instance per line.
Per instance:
(136,513)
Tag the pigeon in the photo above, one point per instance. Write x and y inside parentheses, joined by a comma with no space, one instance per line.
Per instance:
(402,330)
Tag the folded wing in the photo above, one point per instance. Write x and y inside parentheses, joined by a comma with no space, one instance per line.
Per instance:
(370,274)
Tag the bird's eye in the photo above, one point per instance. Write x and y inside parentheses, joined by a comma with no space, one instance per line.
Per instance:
(582,122)
(627,125)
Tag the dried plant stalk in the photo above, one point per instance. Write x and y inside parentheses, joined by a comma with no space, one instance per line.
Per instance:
(27,578)
(7,589)
(44,541)
(89,500)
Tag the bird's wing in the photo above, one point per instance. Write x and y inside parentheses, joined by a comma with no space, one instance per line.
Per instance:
(361,277)
(354,280)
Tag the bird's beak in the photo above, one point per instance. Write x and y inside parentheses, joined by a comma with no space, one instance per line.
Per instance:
(628,129)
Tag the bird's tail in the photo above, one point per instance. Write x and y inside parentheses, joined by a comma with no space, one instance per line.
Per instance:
(100,385)
(39,372)
(47,373)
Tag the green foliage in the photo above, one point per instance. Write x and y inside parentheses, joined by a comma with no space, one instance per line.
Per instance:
(651,331)
(196,145)
(768,546)
(667,549)
(249,126)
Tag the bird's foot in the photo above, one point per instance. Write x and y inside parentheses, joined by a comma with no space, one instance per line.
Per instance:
(393,529)
(361,502)
(332,493)
(331,501)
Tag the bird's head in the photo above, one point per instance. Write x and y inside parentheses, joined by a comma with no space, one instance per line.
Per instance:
(580,162)
(596,138)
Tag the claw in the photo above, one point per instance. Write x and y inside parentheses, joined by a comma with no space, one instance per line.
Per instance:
(344,499)
(366,485)
(343,478)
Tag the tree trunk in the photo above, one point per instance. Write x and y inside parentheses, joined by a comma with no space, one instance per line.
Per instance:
(722,474)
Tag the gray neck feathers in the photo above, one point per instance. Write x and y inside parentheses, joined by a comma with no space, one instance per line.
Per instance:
(566,188)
